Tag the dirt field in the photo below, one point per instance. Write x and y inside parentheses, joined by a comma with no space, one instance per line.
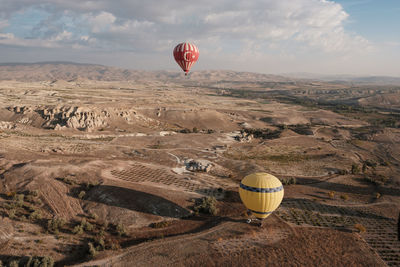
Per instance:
(109,173)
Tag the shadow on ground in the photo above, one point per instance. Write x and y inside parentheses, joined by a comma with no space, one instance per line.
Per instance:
(351,189)
(136,200)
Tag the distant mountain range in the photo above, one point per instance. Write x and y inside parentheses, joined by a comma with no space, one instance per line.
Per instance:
(70,71)
(372,80)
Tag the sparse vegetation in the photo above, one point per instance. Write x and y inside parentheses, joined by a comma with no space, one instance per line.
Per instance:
(262,133)
(11,194)
(37,261)
(11,213)
(87,226)
(81,194)
(99,242)
(94,216)
(83,226)
(162,224)
(355,169)
(376,179)
(279,158)
(206,205)
(121,230)
(78,229)
(66,180)
(18,200)
(288,181)
(130,169)
(36,215)
(34,193)
(364,167)
(55,224)
(92,250)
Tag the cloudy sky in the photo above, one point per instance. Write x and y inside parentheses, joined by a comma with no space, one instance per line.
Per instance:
(267,36)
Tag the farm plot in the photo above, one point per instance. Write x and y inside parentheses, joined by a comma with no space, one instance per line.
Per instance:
(378,231)
(139,173)
(253,240)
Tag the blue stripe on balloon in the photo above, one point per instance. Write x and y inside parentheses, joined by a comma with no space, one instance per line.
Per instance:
(259,212)
(261,190)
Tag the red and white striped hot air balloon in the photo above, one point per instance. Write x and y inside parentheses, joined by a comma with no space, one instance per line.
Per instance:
(186,54)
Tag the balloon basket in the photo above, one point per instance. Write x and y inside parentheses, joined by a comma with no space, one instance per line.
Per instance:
(256,221)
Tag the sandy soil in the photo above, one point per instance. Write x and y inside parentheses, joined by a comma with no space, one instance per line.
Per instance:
(111,157)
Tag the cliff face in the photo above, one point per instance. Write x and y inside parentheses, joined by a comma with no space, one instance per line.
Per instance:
(73,117)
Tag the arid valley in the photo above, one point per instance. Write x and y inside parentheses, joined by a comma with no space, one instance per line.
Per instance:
(102,166)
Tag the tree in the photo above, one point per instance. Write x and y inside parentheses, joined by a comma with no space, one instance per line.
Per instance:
(355,169)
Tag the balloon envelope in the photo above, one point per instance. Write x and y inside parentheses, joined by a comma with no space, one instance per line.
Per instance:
(186,54)
(261,193)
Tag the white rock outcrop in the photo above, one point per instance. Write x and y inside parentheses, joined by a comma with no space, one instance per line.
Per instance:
(198,165)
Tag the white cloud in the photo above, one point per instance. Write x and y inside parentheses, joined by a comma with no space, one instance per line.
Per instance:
(317,23)
(3,24)
(265,30)
(100,22)
(65,35)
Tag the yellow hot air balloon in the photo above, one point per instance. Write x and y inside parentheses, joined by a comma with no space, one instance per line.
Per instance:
(261,193)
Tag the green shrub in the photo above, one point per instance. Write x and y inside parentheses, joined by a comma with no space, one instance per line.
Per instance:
(40,262)
(87,226)
(34,193)
(78,229)
(115,245)
(54,225)
(89,185)
(11,213)
(18,200)
(121,229)
(206,205)
(36,262)
(36,215)
(355,169)
(289,181)
(93,216)
(162,224)
(99,241)
(364,167)
(92,250)
(81,194)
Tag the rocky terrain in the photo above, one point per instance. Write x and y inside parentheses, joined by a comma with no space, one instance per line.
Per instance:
(107,167)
